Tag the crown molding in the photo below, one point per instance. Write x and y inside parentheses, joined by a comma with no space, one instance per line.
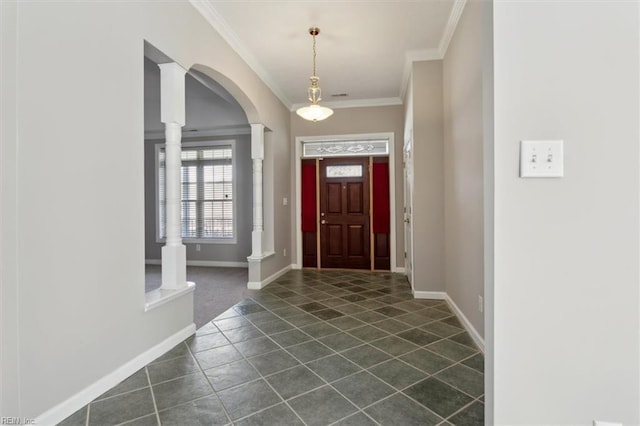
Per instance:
(452,24)
(433,54)
(208,11)
(355,103)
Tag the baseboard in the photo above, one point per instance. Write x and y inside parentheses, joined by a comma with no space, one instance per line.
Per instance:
(259,285)
(208,263)
(466,323)
(439,295)
(63,410)
(399,270)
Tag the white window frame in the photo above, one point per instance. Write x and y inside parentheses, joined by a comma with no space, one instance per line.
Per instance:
(200,144)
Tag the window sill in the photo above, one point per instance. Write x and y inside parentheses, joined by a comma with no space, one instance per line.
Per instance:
(159,297)
(203,241)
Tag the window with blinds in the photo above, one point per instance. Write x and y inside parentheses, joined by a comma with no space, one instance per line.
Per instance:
(207,192)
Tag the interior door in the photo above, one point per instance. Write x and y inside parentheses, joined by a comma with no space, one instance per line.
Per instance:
(408,208)
(344,213)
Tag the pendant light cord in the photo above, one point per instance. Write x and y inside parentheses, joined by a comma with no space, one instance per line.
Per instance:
(314,54)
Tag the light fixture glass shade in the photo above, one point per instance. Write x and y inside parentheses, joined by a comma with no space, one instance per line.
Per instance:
(314,112)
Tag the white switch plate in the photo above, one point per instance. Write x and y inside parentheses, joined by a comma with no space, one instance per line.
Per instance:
(540,159)
(285,201)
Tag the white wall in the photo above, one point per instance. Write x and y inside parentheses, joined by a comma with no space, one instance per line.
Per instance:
(77,181)
(566,250)
(463,164)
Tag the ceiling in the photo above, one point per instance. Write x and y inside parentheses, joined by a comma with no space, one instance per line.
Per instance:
(364,48)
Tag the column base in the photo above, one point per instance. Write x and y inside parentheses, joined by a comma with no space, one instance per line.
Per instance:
(174,267)
(256,245)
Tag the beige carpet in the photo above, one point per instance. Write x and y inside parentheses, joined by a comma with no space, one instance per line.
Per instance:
(217,289)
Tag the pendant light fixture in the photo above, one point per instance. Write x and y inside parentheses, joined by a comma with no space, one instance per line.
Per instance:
(314,112)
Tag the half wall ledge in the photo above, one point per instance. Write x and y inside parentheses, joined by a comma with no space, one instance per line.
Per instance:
(159,297)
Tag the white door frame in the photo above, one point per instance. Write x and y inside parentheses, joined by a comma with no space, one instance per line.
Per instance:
(392,189)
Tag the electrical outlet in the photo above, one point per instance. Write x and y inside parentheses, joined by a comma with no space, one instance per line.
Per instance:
(480,303)
(285,201)
(284,252)
(197,247)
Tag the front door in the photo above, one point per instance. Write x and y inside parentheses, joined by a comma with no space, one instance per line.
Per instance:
(344,213)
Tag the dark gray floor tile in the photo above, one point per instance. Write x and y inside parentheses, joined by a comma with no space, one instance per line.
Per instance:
(229,313)
(181,390)
(261,317)
(392,299)
(437,396)
(243,333)
(358,419)
(231,323)
(121,408)
(371,304)
(369,317)
(208,328)
(441,329)
(340,342)
(205,411)
(476,362)
(295,381)
(464,339)
(287,312)
(426,361)
(321,406)
(320,329)
(363,389)
(303,320)
(248,398)
(353,297)
(333,367)
(150,420)
(452,320)
(346,323)
(280,415)
(463,378)
(365,356)
(175,352)
(249,308)
(400,410)
(472,415)
(327,314)
(299,300)
(217,356)
(451,350)
(312,307)
(390,311)
(435,313)
(137,380)
(290,338)
(254,347)
(392,326)
(229,375)
(79,418)
(409,306)
(418,337)
(350,308)
(394,345)
(397,373)
(273,362)
(415,319)
(273,327)
(309,351)
(334,301)
(170,369)
(368,333)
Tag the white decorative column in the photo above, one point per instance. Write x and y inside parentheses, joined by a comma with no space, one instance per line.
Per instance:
(257,155)
(172,111)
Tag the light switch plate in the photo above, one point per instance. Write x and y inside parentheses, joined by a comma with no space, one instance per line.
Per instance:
(540,159)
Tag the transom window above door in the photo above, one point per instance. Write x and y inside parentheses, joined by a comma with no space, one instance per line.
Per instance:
(345,148)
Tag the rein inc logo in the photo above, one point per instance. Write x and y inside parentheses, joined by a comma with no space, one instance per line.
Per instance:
(17,421)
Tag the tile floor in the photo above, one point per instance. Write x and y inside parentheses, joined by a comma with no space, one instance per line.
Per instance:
(312,348)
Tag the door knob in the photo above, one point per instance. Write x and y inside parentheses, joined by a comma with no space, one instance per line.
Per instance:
(323,222)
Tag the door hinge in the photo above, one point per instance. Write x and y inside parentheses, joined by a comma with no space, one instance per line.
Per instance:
(405,254)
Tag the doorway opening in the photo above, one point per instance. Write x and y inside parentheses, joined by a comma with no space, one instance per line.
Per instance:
(346,203)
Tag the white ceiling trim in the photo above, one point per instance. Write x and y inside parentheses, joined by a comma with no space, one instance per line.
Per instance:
(355,103)
(452,24)
(433,54)
(208,11)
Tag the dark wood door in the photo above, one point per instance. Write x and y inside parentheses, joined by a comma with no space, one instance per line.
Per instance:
(344,213)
